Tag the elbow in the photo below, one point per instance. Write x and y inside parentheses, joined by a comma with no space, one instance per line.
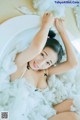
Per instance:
(74,65)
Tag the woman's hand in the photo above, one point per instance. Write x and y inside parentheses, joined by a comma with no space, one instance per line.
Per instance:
(47,20)
(59,24)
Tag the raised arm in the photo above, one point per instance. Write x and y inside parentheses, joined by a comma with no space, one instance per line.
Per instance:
(38,42)
(71,57)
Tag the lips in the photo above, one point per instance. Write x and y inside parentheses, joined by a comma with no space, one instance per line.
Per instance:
(35,65)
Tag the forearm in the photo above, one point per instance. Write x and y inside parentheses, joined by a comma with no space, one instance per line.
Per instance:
(64,106)
(71,57)
(41,38)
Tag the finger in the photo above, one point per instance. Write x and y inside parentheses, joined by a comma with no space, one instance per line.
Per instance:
(61,19)
(57,19)
(51,14)
(46,14)
(54,21)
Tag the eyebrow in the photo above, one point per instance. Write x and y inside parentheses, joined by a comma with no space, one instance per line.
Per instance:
(51,61)
(47,55)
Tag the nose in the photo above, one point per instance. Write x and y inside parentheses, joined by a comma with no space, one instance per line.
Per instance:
(40,62)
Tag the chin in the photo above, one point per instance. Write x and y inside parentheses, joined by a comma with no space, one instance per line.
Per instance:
(36,69)
(32,66)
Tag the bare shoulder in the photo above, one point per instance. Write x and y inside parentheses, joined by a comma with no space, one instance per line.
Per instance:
(20,70)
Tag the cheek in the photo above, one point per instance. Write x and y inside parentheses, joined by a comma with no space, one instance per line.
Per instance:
(46,66)
(37,58)
(54,61)
(32,62)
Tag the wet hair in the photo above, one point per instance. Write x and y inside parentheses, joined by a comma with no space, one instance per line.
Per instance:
(54,45)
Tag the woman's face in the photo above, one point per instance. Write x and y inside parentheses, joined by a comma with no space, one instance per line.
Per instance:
(44,60)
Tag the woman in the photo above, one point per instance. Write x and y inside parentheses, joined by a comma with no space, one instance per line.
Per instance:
(36,63)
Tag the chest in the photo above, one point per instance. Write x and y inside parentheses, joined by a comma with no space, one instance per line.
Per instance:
(35,78)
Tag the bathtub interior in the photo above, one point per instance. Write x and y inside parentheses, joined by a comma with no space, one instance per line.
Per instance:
(20,41)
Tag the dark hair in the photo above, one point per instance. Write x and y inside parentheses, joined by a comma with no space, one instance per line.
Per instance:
(55,45)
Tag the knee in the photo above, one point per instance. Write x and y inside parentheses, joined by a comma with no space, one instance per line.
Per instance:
(74,116)
(69,101)
(77,117)
(65,106)
(65,116)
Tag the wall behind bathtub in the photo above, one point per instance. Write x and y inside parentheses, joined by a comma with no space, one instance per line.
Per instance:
(8,9)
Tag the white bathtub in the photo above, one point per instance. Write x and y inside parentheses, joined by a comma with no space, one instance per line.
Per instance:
(11,31)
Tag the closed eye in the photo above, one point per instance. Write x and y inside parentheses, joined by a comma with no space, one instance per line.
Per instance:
(42,54)
(48,63)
